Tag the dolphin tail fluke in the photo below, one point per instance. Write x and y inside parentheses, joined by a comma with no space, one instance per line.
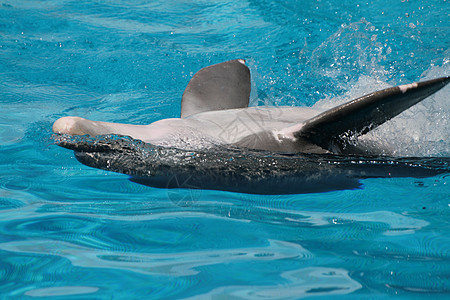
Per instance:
(361,115)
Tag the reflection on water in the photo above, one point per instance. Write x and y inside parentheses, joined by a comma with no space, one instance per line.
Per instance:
(306,282)
(169,264)
(61,291)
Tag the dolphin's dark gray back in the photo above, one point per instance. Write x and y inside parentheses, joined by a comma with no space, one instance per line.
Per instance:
(240,170)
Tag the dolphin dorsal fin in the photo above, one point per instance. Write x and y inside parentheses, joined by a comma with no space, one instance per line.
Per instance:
(361,115)
(217,87)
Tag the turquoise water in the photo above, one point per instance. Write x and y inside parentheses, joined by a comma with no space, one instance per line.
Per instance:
(68,231)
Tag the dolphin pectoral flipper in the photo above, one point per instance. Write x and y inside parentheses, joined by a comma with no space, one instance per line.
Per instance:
(217,87)
(361,115)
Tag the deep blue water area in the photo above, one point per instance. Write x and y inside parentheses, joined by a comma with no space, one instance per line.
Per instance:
(68,231)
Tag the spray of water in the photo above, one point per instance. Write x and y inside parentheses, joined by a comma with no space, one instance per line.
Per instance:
(354,60)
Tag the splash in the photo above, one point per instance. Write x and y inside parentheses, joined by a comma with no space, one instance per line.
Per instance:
(355,60)
(353,50)
(421,131)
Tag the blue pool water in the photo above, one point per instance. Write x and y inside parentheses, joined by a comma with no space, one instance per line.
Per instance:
(68,231)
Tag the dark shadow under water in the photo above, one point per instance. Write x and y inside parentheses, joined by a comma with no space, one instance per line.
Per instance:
(245,171)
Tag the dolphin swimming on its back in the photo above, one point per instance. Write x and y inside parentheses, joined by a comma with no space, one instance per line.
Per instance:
(215,115)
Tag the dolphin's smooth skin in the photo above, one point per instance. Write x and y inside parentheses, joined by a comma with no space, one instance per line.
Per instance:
(221,143)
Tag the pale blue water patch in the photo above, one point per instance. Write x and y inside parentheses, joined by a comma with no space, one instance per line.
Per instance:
(71,232)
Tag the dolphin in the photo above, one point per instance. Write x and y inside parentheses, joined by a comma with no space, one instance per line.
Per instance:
(220,143)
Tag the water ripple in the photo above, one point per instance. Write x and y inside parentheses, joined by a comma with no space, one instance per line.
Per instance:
(398,224)
(301,283)
(61,291)
(169,264)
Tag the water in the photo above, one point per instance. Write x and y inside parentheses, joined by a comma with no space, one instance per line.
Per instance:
(70,231)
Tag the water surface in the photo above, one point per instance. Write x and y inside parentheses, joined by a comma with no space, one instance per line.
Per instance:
(68,231)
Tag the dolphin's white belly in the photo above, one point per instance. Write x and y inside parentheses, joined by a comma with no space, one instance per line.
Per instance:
(225,127)
(253,127)
(231,126)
